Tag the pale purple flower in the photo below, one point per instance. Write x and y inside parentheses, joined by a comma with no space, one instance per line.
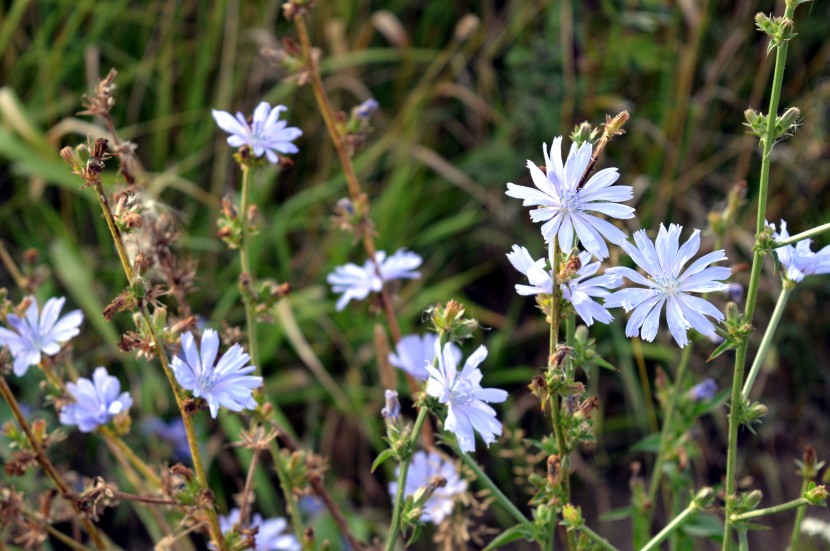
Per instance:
(356,282)
(97,401)
(266,134)
(799,261)
(414,352)
(365,109)
(565,209)
(172,432)
(424,468)
(704,390)
(580,290)
(669,284)
(39,333)
(225,383)
(467,411)
(271,536)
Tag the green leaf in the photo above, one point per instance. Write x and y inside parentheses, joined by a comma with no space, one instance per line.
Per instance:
(650,443)
(704,526)
(724,346)
(384,455)
(514,533)
(708,406)
(602,363)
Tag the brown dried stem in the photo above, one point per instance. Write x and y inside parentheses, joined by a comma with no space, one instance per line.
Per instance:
(355,192)
(46,464)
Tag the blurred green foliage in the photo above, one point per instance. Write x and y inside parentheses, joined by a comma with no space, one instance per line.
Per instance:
(459,116)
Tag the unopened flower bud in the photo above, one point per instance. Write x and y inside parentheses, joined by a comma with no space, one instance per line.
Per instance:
(392,411)
(789,117)
(366,109)
(705,497)
(614,126)
(572,515)
(466,26)
(751,500)
(583,133)
(816,495)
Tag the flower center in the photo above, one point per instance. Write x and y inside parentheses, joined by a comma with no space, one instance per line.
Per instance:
(667,283)
(569,201)
(207,380)
(462,393)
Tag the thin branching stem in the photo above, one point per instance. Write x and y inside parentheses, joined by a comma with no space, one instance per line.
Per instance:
(674,395)
(11,267)
(799,502)
(675,524)
(357,196)
(247,281)
(799,516)
(46,464)
(818,230)
(601,542)
(247,490)
(488,483)
(752,291)
(786,290)
(247,275)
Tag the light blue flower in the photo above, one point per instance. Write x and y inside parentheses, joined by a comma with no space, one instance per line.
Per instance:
(271,535)
(424,468)
(799,261)
(414,352)
(356,282)
(227,383)
(579,290)
(565,209)
(465,398)
(97,401)
(267,134)
(39,333)
(704,390)
(669,284)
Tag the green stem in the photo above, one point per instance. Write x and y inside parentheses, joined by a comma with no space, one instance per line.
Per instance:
(244,261)
(247,275)
(290,499)
(743,541)
(799,502)
(394,528)
(597,539)
(818,230)
(491,486)
(676,523)
(677,389)
(752,292)
(786,289)
(799,516)
(555,409)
